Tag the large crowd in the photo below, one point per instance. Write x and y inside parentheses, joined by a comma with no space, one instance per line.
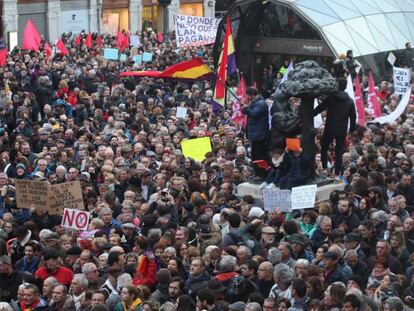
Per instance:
(169,233)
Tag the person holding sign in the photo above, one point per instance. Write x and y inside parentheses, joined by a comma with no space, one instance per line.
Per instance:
(296,165)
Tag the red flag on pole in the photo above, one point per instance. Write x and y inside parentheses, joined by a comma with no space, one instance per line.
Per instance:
(48,50)
(3,57)
(77,41)
(373,103)
(359,102)
(242,89)
(120,38)
(99,41)
(88,40)
(31,37)
(62,48)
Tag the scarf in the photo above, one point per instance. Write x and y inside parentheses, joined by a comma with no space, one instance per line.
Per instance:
(31,307)
(133,306)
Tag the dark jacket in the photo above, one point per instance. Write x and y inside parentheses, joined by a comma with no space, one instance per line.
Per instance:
(318,239)
(257,119)
(335,276)
(305,165)
(351,221)
(195,283)
(340,108)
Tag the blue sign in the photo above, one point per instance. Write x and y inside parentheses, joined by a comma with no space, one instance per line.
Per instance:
(122,57)
(137,59)
(111,53)
(147,57)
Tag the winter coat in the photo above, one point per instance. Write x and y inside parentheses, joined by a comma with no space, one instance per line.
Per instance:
(340,108)
(257,119)
(195,283)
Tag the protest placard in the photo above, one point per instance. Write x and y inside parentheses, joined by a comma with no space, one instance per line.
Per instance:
(195,30)
(196,148)
(75,219)
(391,58)
(134,40)
(122,57)
(137,59)
(303,197)
(181,112)
(146,57)
(31,193)
(277,200)
(401,79)
(66,195)
(111,53)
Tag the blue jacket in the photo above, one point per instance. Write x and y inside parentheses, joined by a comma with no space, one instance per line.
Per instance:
(257,119)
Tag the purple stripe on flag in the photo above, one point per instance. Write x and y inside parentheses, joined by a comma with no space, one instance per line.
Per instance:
(216,107)
(231,64)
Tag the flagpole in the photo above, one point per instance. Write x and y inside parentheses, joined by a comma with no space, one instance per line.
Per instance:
(230,91)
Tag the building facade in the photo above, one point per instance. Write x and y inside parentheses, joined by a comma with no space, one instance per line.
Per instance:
(53,17)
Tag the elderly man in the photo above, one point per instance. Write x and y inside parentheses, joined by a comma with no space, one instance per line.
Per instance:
(53,267)
(358,266)
(61,299)
(32,299)
(198,278)
(333,272)
(90,271)
(283,277)
(9,279)
(78,288)
(265,278)
(321,234)
(47,289)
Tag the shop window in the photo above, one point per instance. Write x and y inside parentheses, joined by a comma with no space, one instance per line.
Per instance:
(193,9)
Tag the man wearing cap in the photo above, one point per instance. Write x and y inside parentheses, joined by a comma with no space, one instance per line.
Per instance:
(332,269)
(267,240)
(9,279)
(53,267)
(299,243)
(352,242)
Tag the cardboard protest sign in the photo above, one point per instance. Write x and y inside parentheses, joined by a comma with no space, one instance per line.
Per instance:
(31,193)
(111,53)
(181,112)
(401,79)
(277,200)
(66,195)
(75,219)
(303,197)
(195,30)
(196,148)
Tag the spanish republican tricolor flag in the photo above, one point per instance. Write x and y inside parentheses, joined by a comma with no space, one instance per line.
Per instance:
(194,69)
(226,64)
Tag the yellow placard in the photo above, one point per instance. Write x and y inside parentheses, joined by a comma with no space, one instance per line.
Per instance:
(196,148)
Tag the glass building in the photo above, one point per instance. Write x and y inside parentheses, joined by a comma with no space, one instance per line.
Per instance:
(269,32)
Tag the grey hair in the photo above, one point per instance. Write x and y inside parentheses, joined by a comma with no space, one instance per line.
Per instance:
(395,303)
(253,306)
(321,219)
(227,263)
(274,256)
(44,232)
(154,232)
(83,281)
(87,267)
(171,249)
(351,253)
(105,210)
(246,249)
(302,261)
(357,293)
(283,272)
(54,281)
(4,306)
(167,306)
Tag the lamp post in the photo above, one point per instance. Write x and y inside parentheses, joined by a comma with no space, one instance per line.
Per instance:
(100,11)
(165,4)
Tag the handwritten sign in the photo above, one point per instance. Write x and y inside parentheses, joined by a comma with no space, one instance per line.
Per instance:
(303,197)
(401,79)
(111,53)
(181,112)
(147,57)
(75,219)
(66,195)
(195,30)
(31,193)
(277,200)
(196,148)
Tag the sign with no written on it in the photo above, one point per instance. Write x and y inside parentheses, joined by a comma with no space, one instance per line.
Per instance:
(75,219)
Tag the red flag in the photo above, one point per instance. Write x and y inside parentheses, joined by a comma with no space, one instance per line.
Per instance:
(160,37)
(88,40)
(48,50)
(120,38)
(242,89)
(77,41)
(3,57)
(359,103)
(255,84)
(62,47)
(31,37)
(373,104)
(99,41)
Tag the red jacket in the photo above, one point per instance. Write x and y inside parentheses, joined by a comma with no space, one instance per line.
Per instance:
(62,274)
